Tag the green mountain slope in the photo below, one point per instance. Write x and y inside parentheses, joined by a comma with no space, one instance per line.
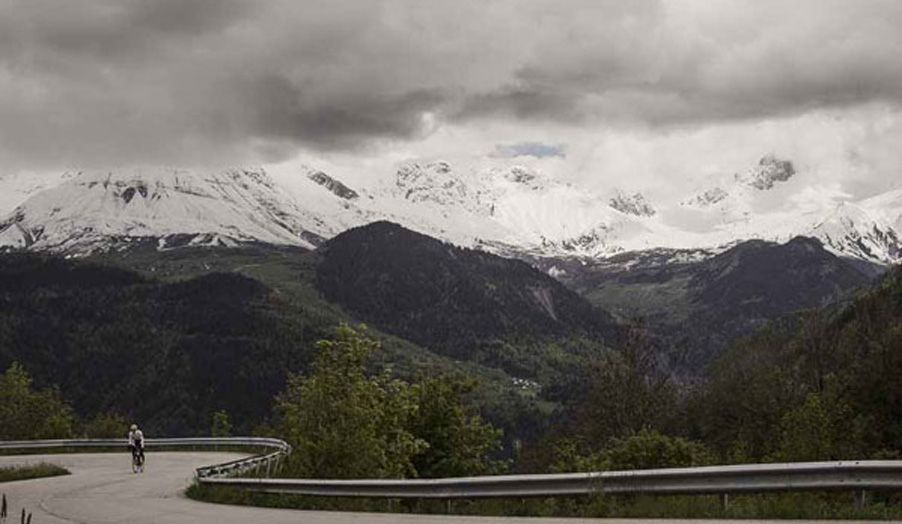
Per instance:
(169,337)
(822,385)
(167,354)
(466,304)
(699,308)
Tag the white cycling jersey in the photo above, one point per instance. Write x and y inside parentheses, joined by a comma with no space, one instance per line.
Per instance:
(136,436)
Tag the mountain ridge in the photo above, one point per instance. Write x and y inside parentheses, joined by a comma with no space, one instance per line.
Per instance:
(508,209)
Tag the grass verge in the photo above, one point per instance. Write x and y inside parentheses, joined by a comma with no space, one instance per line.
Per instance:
(828,505)
(31,471)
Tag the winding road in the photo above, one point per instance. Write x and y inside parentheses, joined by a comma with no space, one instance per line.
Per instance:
(102,489)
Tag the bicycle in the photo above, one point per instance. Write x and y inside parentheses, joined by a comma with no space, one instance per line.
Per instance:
(137,460)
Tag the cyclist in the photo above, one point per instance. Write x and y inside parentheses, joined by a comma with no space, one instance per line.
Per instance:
(136,446)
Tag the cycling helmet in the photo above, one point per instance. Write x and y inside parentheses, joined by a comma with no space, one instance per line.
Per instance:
(134,427)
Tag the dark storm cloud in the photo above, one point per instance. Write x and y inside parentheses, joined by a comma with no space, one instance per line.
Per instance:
(525,103)
(284,111)
(40,32)
(694,62)
(180,81)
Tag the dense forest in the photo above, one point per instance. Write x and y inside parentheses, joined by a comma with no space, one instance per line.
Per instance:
(823,384)
(173,343)
(167,354)
(698,307)
(91,346)
(464,303)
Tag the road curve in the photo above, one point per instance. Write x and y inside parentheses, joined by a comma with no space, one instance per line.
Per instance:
(102,489)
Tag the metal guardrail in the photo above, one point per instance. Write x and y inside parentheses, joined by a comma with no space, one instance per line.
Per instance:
(261,464)
(268,462)
(857,476)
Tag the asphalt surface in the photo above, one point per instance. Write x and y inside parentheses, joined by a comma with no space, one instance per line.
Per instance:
(102,489)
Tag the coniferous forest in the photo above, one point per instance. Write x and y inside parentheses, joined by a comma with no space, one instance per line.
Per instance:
(88,345)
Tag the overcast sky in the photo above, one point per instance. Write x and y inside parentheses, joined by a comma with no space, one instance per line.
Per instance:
(598,90)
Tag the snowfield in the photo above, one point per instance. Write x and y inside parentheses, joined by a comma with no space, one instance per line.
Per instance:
(505,208)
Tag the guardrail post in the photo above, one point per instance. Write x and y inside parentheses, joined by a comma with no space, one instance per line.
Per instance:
(724,501)
(861,499)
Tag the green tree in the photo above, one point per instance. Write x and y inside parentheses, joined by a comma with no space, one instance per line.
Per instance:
(106,425)
(29,414)
(650,449)
(626,392)
(460,442)
(221,426)
(342,423)
(807,432)
(647,449)
(749,389)
(572,454)
(822,428)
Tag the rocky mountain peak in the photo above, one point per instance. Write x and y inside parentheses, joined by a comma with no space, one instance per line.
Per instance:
(634,204)
(437,183)
(335,186)
(769,171)
(707,198)
(520,175)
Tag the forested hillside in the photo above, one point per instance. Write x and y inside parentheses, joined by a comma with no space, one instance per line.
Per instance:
(822,384)
(168,354)
(466,304)
(195,332)
(170,337)
(826,384)
(699,307)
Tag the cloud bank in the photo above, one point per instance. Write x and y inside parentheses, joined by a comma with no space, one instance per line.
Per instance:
(207,81)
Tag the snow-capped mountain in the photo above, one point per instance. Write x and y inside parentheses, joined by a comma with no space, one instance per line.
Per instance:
(94,211)
(760,204)
(506,208)
(888,207)
(850,230)
(15,188)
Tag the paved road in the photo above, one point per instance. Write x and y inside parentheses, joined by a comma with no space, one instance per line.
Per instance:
(102,489)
